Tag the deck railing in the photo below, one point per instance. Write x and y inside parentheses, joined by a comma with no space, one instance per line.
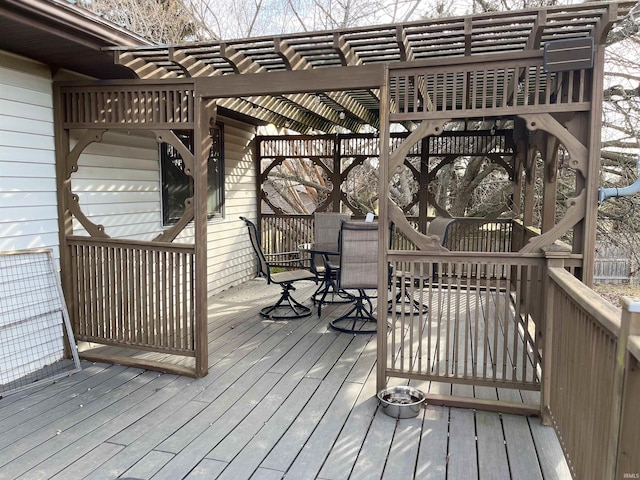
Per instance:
(628,461)
(591,378)
(133,294)
(283,233)
(480,322)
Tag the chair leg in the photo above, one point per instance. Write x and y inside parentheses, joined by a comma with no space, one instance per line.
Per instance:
(417,306)
(356,319)
(287,307)
(329,284)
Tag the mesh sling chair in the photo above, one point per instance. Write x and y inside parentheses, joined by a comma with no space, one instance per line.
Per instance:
(286,307)
(326,230)
(358,271)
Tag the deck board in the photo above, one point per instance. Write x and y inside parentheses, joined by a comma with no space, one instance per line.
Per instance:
(432,455)
(289,399)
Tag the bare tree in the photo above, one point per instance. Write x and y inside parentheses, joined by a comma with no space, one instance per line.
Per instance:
(619,219)
(163,21)
(241,18)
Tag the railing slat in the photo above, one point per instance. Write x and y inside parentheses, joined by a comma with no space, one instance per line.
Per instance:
(130,294)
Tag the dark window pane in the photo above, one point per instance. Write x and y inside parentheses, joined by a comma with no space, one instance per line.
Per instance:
(177,187)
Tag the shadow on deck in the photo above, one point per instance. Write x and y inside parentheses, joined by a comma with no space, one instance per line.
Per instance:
(289,400)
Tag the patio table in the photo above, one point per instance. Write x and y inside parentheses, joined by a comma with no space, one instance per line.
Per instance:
(328,282)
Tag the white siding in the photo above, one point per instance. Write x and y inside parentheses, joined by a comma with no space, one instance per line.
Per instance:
(231,259)
(118,185)
(28,212)
(118,180)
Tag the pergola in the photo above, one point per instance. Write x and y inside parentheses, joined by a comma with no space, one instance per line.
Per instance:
(540,68)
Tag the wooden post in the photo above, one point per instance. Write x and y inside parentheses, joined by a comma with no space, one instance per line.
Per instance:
(550,181)
(593,168)
(336,177)
(202,145)
(625,400)
(383,230)
(423,200)
(529,186)
(555,259)
(65,220)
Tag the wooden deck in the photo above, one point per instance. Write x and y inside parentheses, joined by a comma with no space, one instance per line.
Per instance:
(291,400)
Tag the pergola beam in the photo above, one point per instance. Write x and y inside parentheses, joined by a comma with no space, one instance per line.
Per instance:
(281,83)
(143,69)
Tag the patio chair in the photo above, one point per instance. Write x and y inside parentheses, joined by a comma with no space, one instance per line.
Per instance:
(286,307)
(326,230)
(358,271)
(439,226)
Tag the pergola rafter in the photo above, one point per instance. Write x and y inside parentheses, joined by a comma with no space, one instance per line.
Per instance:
(347,104)
(308,103)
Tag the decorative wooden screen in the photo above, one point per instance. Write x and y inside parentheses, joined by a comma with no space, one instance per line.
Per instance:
(476,90)
(133,294)
(152,106)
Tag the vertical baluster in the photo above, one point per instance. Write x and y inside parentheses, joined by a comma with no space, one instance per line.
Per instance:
(430,312)
(468,348)
(190,317)
(505,88)
(458,323)
(100,292)
(485,341)
(407,93)
(446,309)
(395,87)
(157,319)
(90,278)
(537,87)
(137,294)
(131,300)
(454,91)
(526,86)
(494,96)
(143,282)
(583,86)
(173,293)
(569,87)
(184,297)
(485,89)
(393,320)
(476,320)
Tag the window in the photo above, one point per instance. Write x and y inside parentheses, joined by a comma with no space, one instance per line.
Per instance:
(177,186)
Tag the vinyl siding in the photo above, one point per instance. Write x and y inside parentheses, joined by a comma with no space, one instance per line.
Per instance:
(236,261)
(117,182)
(118,185)
(28,212)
